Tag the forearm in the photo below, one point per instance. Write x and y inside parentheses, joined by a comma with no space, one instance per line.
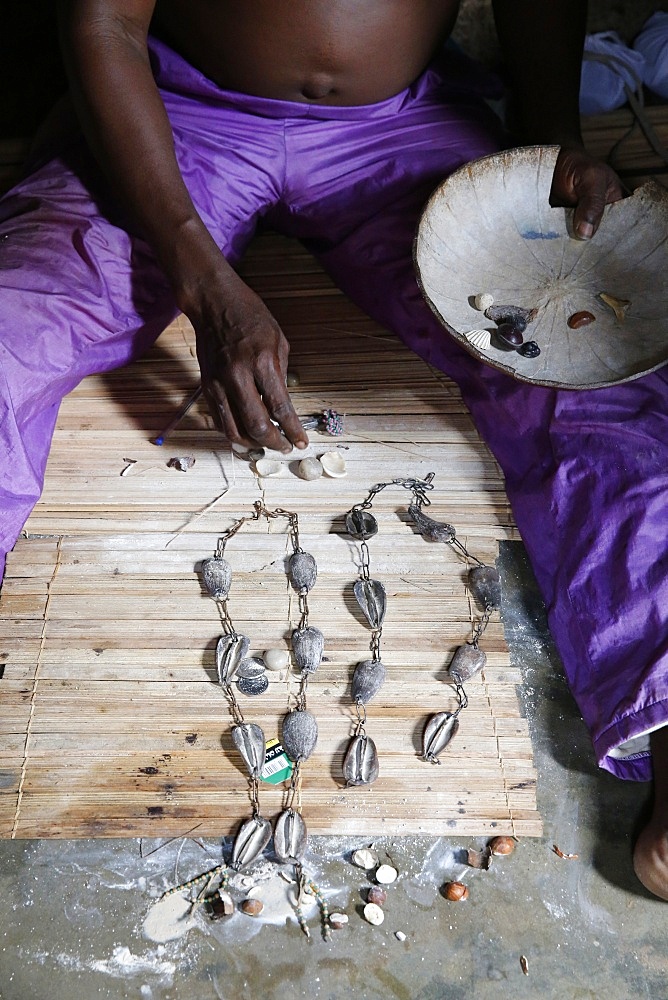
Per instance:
(129,133)
(542,42)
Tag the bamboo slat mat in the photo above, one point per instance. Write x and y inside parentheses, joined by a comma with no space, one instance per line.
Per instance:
(110,717)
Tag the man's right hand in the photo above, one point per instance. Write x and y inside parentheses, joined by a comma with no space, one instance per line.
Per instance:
(243,356)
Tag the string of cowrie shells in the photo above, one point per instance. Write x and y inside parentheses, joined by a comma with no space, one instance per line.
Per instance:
(299,731)
(361,765)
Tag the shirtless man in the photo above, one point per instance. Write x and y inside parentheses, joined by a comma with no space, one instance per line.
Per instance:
(298,65)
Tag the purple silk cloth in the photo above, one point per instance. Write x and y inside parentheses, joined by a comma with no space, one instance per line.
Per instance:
(586,472)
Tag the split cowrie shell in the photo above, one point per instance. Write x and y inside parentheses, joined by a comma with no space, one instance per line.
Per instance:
(440,729)
(371,597)
(333,464)
(290,837)
(217,576)
(337,921)
(466,663)
(249,740)
(373,914)
(360,765)
(364,858)
(230,651)
(386,875)
(250,841)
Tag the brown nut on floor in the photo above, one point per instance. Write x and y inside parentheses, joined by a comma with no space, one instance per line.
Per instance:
(455,891)
(502,845)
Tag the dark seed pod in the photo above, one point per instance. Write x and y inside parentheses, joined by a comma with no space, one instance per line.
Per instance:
(302,570)
(368,679)
(249,740)
(509,336)
(308,645)
(299,734)
(435,531)
(485,585)
(579,319)
(466,663)
(251,666)
(438,732)
(230,651)
(529,349)
(290,837)
(253,685)
(217,576)
(370,595)
(360,764)
(515,315)
(251,840)
(361,524)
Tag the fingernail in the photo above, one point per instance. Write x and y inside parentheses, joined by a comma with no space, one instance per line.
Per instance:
(585,231)
(301,445)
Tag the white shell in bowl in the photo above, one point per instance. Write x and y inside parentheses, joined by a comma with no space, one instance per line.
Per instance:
(334,464)
(481,339)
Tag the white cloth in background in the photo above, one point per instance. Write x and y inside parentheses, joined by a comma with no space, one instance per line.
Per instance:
(608,68)
(652,45)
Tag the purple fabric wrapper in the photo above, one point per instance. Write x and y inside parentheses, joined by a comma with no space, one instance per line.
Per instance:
(586,472)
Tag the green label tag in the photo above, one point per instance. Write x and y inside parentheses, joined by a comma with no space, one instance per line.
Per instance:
(277,765)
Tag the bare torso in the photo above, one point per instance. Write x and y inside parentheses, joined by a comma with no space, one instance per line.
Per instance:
(321,51)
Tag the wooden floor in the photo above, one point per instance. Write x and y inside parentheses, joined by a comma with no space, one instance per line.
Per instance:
(110,719)
(110,716)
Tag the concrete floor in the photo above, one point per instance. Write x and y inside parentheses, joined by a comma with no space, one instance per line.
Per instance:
(72,912)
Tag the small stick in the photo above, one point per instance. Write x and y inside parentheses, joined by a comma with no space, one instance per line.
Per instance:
(160,439)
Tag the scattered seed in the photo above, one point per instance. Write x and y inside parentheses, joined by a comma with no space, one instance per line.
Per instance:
(377,895)
(181,462)
(219,905)
(479,859)
(501,845)
(560,854)
(253,907)
(373,914)
(455,891)
(579,319)
(386,875)
(365,858)
(524,965)
(618,306)
(131,462)
(400,936)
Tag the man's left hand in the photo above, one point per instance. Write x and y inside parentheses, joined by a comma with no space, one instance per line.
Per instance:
(587,184)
